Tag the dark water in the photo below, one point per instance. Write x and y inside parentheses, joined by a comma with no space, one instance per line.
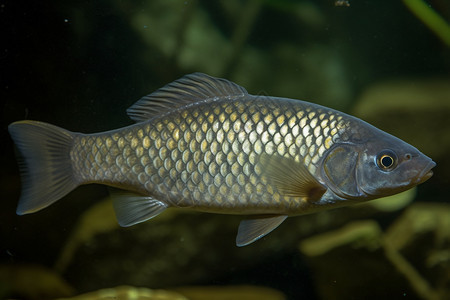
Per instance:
(80,64)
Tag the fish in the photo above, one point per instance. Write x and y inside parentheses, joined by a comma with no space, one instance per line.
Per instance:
(206,144)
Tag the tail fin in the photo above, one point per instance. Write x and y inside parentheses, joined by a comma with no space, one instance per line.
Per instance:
(45,164)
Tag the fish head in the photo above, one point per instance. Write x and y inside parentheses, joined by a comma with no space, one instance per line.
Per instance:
(380,166)
(389,165)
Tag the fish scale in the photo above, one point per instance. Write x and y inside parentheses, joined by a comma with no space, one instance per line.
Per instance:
(213,167)
(204,143)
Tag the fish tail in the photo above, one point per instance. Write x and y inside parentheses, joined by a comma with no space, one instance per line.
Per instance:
(45,164)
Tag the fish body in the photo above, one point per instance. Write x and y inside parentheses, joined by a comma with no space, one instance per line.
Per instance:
(206,144)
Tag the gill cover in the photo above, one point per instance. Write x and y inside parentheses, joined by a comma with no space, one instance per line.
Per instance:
(339,168)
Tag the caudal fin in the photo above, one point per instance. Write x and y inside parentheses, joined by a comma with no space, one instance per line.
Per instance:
(45,164)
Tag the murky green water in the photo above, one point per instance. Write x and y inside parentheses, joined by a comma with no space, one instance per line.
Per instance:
(80,64)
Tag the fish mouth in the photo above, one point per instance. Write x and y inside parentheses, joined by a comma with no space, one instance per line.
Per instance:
(426,173)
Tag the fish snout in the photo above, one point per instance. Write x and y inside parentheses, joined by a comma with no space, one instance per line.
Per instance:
(426,172)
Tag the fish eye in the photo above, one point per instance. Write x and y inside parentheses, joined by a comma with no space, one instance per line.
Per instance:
(386,160)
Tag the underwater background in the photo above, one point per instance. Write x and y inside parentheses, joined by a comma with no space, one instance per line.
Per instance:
(81,64)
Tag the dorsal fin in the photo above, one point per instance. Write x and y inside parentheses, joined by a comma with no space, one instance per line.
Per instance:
(188,89)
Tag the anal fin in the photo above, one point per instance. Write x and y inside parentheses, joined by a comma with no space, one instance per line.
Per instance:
(131,208)
(255,228)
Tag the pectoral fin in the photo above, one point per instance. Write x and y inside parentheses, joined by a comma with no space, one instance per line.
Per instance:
(132,208)
(291,177)
(253,229)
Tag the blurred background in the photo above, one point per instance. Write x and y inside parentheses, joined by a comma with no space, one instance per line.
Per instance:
(80,64)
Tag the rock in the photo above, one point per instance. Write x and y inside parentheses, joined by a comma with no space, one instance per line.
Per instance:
(129,293)
(32,282)
(183,293)
(244,292)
